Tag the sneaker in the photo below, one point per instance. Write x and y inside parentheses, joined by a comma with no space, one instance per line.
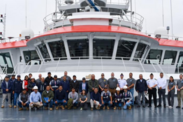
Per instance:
(2,106)
(104,108)
(98,108)
(15,106)
(81,109)
(170,106)
(62,107)
(91,109)
(57,108)
(177,106)
(51,109)
(10,106)
(108,108)
(115,108)
(20,109)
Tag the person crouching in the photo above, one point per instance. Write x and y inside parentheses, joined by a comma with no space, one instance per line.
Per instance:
(106,98)
(47,98)
(118,99)
(23,100)
(127,97)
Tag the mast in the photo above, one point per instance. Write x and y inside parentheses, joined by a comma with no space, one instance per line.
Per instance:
(163,13)
(171,17)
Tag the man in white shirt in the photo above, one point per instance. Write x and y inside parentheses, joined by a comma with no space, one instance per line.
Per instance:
(162,82)
(151,84)
(122,82)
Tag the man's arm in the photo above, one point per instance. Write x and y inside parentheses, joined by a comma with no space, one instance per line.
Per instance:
(19,98)
(27,99)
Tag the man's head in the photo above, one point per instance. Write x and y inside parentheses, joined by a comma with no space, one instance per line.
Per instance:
(84,80)
(151,76)
(47,88)
(161,75)
(6,78)
(112,75)
(18,77)
(35,88)
(102,75)
(49,74)
(73,90)
(60,88)
(141,76)
(32,79)
(42,79)
(30,75)
(24,91)
(74,77)
(13,76)
(96,90)
(65,73)
(105,89)
(93,77)
(180,76)
(130,75)
(121,75)
(40,76)
(55,77)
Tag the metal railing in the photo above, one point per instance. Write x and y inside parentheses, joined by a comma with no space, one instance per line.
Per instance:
(3,69)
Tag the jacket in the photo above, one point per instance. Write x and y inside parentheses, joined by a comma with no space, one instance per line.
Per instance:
(3,87)
(74,85)
(17,86)
(41,86)
(47,80)
(50,95)
(141,86)
(30,86)
(80,87)
(23,98)
(60,95)
(93,84)
(65,85)
(96,97)
(12,83)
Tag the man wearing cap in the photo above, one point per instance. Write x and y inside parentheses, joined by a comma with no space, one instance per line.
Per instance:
(31,84)
(127,97)
(118,99)
(35,98)
(48,79)
(17,89)
(83,86)
(74,84)
(162,82)
(65,84)
(30,77)
(47,98)
(102,83)
(179,87)
(93,83)
(6,87)
(60,98)
(130,83)
(54,84)
(95,99)
(68,78)
(151,84)
(23,100)
(112,84)
(42,85)
(122,82)
(12,80)
(106,98)
(141,88)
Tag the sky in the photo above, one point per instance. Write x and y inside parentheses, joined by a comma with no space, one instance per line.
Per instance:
(151,10)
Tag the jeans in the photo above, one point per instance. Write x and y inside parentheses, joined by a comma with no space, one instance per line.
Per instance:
(20,105)
(61,102)
(161,93)
(127,104)
(141,94)
(132,92)
(15,98)
(48,103)
(106,103)
(75,104)
(117,104)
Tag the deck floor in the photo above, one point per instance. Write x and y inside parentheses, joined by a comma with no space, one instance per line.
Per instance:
(134,115)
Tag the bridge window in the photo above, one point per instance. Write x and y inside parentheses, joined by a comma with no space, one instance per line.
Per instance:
(154,56)
(6,62)
(103,48)
(140,51)
(30,55)
(179,67)
(57,49)
(125,49)
(170,57)
(78,48)
(44,51)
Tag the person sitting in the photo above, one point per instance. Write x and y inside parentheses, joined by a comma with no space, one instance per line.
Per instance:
(83,86)
(31,85)
(23,100)
(60,98)
(106,98)
(83,101)
(6,87)
(42,85)
(118,99)
(73,99)
(127,97)
(95,99)
(47,98)
(35,98)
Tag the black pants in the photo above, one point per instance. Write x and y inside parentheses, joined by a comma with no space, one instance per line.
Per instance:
(84,106)
(171,98)
(161,93)
(152,93)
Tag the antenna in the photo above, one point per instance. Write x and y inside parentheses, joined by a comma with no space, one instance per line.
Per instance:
(46,8)
(25,13)
(171,17)
(163,13)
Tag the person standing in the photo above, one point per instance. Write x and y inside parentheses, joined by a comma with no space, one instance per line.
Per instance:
(6,88)
(122,82)
(30,77)
(47,98)
(118,99)
(179,87)
(162,82)
(92,84)
(68,78)
(23,100)
(12,80)
(74,83)
(95,99)
(106,98)
(102,83)
(65,84)
(48,79)
(131,83)
(54,84)
(25,83)
(112,84)
(31,85)
(141,88)
(83,86)
(151,84)
(17,89)
(39,79)
(171,92)
(42,85)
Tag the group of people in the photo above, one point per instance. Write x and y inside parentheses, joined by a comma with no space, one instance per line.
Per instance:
(70,93)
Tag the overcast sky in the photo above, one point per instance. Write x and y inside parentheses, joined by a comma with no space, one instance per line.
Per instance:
(151,10)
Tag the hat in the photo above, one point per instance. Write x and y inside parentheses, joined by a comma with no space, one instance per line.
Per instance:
(74,75)
(35,87)
(121,74)
(18,76)
(55,76)
(105,87)
(84,78)
(117,89)
(125,87)
(49,72)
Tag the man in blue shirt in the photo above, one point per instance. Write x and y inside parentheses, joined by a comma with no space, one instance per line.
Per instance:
(12,80)
(65,84)
(35,98)
(95,99)
(83,86)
